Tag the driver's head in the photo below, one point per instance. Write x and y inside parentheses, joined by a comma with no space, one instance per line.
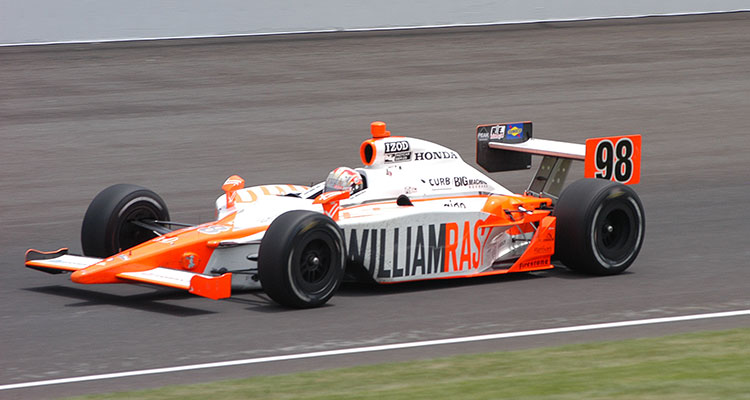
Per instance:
(344,178)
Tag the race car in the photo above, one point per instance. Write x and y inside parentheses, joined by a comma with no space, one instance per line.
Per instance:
(414,211)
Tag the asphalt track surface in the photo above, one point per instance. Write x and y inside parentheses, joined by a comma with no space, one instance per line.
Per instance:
(181,116)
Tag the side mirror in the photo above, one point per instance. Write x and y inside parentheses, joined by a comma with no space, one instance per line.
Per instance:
(330,202)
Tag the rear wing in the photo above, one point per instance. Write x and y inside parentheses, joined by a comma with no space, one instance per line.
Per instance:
(509,147)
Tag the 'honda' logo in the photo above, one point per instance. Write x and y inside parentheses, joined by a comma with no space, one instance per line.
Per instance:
(434,155)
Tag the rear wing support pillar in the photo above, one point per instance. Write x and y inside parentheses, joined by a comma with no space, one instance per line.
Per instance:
(550,178)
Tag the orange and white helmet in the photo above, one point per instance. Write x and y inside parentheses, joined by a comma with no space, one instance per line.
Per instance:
(344,178)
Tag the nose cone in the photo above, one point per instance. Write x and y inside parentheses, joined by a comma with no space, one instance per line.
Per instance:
(103,272)
(81,276)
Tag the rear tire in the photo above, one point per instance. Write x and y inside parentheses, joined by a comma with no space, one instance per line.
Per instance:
(600,226)
(301,259)
(107,227)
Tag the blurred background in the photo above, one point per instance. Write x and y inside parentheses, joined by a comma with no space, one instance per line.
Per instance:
(180,116)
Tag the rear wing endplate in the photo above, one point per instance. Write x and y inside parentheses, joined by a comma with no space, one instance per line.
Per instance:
(509,147)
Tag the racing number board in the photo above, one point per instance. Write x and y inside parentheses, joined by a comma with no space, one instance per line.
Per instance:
(616,158)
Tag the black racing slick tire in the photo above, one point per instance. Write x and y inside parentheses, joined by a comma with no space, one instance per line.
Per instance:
(301,259)
(107,227)
(600,226)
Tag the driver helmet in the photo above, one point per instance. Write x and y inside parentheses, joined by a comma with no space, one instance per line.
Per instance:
(344,178)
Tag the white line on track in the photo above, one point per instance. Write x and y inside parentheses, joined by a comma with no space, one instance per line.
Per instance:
(396,346)
(375,28)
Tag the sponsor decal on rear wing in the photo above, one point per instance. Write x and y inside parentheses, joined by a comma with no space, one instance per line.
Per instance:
(509,147)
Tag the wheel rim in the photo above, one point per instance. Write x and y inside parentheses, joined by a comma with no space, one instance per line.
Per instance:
(616,232)
(129,234)
(315,262)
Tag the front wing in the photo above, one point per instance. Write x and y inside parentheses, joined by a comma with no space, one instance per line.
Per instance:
(213,287)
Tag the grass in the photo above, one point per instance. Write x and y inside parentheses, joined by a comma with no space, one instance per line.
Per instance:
(706,365)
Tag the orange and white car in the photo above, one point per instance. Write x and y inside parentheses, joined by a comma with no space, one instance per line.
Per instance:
(414,211)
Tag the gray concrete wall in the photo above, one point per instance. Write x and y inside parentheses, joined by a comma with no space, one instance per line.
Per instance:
(59,21)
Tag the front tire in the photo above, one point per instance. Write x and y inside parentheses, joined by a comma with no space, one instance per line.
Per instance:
(301,259)
(107,227)
(600,226)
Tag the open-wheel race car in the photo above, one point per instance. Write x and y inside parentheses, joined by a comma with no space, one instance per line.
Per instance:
(414,211)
